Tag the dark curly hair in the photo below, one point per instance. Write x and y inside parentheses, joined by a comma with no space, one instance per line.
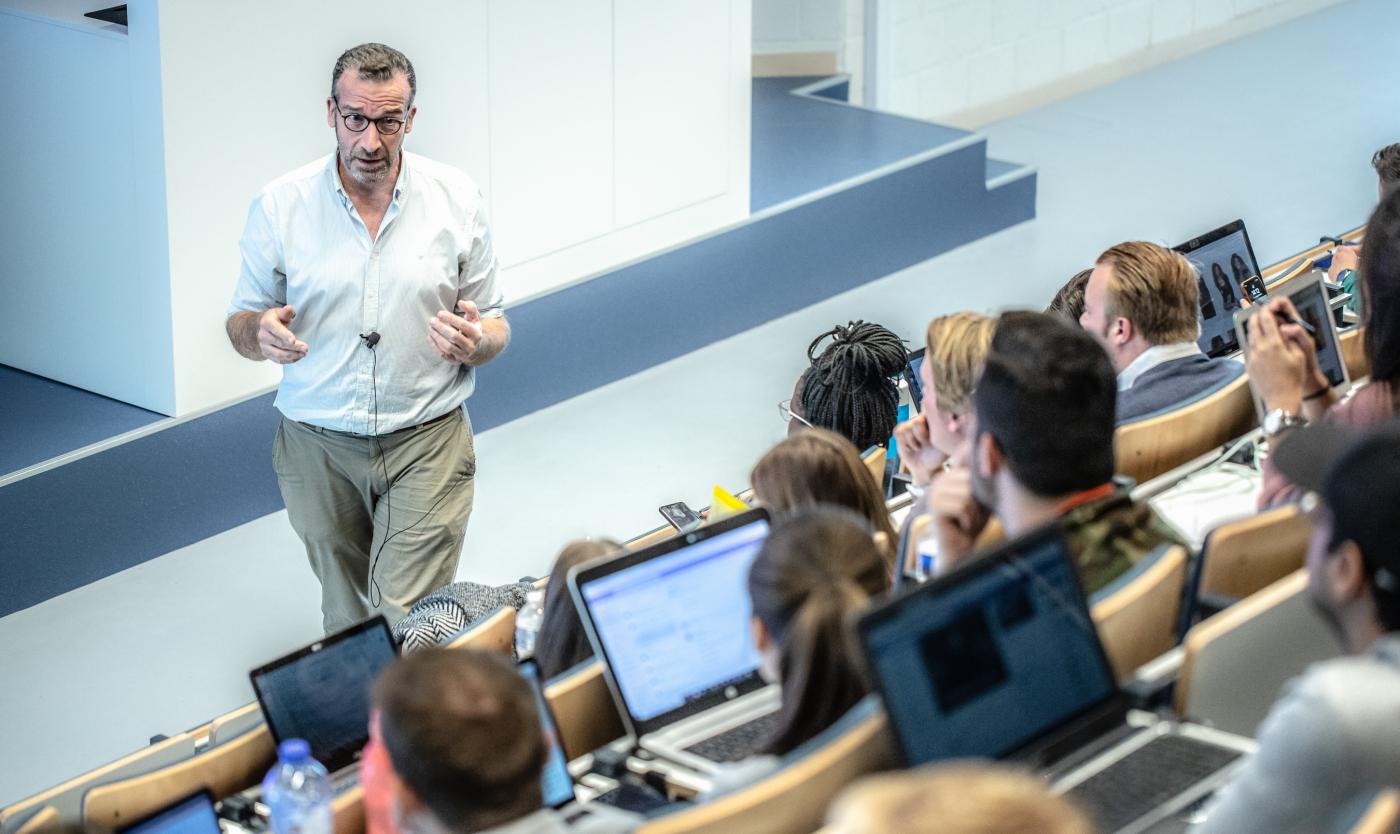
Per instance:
(851,386)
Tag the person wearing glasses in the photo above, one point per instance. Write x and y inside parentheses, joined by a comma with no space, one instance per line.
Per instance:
(370,276)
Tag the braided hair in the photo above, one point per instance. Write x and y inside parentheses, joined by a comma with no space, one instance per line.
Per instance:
(850,387)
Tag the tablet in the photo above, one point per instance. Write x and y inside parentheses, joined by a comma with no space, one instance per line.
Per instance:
(1309,297)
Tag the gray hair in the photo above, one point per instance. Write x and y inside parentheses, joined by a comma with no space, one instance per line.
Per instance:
(375,62)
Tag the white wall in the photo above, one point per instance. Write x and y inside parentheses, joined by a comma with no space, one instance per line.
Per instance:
(953,58)
(79,303)
(783,27)
(600,131)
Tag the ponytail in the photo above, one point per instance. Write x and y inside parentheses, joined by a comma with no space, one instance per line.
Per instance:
(823,675)
(816,570)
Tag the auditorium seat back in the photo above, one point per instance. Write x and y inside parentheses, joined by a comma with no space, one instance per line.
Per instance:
(1156,444)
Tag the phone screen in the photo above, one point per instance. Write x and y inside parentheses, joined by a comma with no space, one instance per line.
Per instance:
(1254,288)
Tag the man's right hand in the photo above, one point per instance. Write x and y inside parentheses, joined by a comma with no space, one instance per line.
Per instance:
(275,340)
(958,518)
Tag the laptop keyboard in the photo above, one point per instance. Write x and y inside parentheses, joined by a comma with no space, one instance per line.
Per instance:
(632,798)
(737,744)
(1143,780)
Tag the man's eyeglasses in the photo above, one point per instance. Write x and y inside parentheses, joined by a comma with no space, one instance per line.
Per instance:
(358,122)
(785,411)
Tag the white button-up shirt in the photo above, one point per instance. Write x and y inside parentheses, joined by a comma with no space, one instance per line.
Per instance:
(306,245)
(1151,358)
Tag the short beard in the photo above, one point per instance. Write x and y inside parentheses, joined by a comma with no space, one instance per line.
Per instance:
(366,178)
(1329,615)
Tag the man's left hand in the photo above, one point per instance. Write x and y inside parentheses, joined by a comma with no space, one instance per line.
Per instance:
(456,337)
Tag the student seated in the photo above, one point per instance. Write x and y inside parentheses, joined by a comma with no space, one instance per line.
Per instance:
(818,567)
(955,348)
(1333,739)
(1069,301)
(1041,448)
(460,750)
(561,643)
(960,798)
(821,467)
(1346,259)
(1141,303)
(851,386)
(1283,368)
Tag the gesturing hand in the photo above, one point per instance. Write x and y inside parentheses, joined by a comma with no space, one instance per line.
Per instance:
(275,340)
(455,337)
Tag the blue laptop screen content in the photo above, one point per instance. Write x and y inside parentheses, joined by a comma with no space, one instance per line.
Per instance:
(192,816)
(1220,267)
(985,666)
(557,784)
(677,627)
(323,697)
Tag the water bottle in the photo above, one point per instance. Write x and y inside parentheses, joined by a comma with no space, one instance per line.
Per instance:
(527,624)
(926,558)
(297,791)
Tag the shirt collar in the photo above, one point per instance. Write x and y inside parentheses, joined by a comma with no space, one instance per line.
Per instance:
(1151,358)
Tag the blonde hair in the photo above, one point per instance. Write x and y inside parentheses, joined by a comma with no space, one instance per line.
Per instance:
(954,799)
(1155,288)
(957,346)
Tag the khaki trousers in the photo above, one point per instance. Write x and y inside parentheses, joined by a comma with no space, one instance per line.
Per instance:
(337,490)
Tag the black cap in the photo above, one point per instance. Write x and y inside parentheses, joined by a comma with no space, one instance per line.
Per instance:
(1358,476)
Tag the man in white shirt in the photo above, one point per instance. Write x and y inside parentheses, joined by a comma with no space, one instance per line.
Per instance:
(370,276)
(1141,303)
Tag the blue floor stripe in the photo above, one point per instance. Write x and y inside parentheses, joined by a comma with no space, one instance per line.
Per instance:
(42,419)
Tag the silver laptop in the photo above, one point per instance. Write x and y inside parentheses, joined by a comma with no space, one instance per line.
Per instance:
(671,625)
(1001,660)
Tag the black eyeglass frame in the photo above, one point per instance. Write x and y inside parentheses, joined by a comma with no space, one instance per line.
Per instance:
(378,123)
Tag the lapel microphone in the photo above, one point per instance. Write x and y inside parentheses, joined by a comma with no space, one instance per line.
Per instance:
(371,339)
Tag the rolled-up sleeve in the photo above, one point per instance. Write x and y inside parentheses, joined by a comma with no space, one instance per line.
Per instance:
(262,282)
(478,271)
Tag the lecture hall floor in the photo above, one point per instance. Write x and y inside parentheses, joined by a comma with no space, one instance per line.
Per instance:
(1250,129)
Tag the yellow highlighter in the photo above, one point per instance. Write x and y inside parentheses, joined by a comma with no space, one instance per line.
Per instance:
(724,503)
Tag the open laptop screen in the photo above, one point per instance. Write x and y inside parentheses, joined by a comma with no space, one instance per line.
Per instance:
(321,692)
(557,784)
(1223,259)
(990,658)
(191,815)
(911,376)
(675,628)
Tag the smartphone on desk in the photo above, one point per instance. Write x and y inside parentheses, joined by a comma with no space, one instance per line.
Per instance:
(680,516)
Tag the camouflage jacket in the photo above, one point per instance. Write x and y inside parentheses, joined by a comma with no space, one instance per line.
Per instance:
(1111,534)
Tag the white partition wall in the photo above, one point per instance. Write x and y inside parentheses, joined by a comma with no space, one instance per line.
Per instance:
(600,131)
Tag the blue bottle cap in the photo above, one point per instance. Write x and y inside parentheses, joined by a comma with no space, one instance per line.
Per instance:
(294,750)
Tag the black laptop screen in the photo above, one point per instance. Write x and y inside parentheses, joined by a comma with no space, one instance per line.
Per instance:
(556,784)
(321,693)
(987,660)
(1223,260)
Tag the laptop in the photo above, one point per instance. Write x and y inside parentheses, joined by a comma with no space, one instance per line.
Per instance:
(321,693)
(671,625)
(1309,296)
(1001,660)
(558,785)
(911,377)
(1224,259)
(193,814)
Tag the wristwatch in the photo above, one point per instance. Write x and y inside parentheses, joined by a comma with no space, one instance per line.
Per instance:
(1279,420)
